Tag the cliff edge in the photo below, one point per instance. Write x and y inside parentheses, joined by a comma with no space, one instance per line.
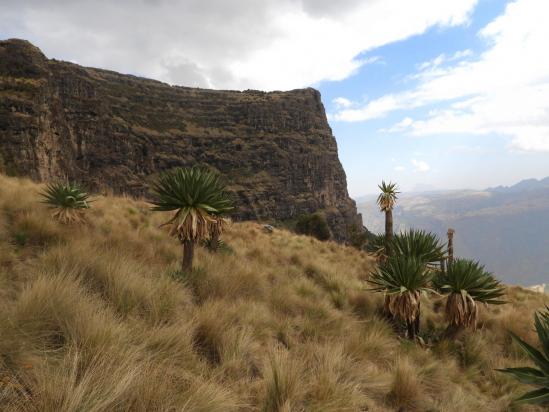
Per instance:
(114,131)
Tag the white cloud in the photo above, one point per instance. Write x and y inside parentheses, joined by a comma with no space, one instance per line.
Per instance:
(268,44)
(420,166)
(342,102)
(373,110)
(505,90)
(404,124)
(400,168)
(442,58)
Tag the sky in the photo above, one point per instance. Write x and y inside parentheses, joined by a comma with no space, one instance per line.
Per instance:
(432,94)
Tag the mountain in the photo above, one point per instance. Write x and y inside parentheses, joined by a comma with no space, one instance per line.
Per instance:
(97,318)
(116,132)
(506,228)
(524,185)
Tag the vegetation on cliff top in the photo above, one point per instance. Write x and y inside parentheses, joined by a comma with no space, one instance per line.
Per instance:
(99,317)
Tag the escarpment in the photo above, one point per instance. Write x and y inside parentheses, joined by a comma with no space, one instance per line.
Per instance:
(111,131)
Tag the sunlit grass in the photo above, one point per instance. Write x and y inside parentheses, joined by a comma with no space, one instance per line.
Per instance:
(98,317)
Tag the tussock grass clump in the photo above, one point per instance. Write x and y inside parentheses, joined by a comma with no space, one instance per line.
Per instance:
(407,391)
(283,383)
(98,317)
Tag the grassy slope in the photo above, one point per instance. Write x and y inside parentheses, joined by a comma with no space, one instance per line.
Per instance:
(94,318)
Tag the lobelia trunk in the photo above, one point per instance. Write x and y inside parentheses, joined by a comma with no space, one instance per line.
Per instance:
(388,230)
(388,315)
(410,327)
(215,241)
(188,254)
(454,332)
(413,327)
(416,322)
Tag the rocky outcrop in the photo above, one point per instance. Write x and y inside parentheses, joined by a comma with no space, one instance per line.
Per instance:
(112,131)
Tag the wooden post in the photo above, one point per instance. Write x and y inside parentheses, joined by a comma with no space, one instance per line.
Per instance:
(451,245)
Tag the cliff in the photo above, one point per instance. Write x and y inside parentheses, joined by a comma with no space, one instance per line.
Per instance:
(113,131)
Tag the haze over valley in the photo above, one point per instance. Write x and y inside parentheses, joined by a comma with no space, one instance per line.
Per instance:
(506,228)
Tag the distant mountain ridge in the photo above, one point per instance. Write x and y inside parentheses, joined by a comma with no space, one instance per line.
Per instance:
(527,184)
(505,227)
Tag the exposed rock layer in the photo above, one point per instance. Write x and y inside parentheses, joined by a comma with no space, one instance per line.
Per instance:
(108,130)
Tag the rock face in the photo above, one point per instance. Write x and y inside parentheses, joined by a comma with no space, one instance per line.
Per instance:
(111,131)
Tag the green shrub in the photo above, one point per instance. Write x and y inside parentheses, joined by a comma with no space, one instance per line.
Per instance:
(359,237)
(313,225)
(376,244)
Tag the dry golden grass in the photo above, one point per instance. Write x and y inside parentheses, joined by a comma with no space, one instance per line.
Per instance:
(97,317)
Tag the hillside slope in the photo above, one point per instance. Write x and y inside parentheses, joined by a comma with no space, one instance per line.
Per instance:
(97,318)
(507,228)
(115,131)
